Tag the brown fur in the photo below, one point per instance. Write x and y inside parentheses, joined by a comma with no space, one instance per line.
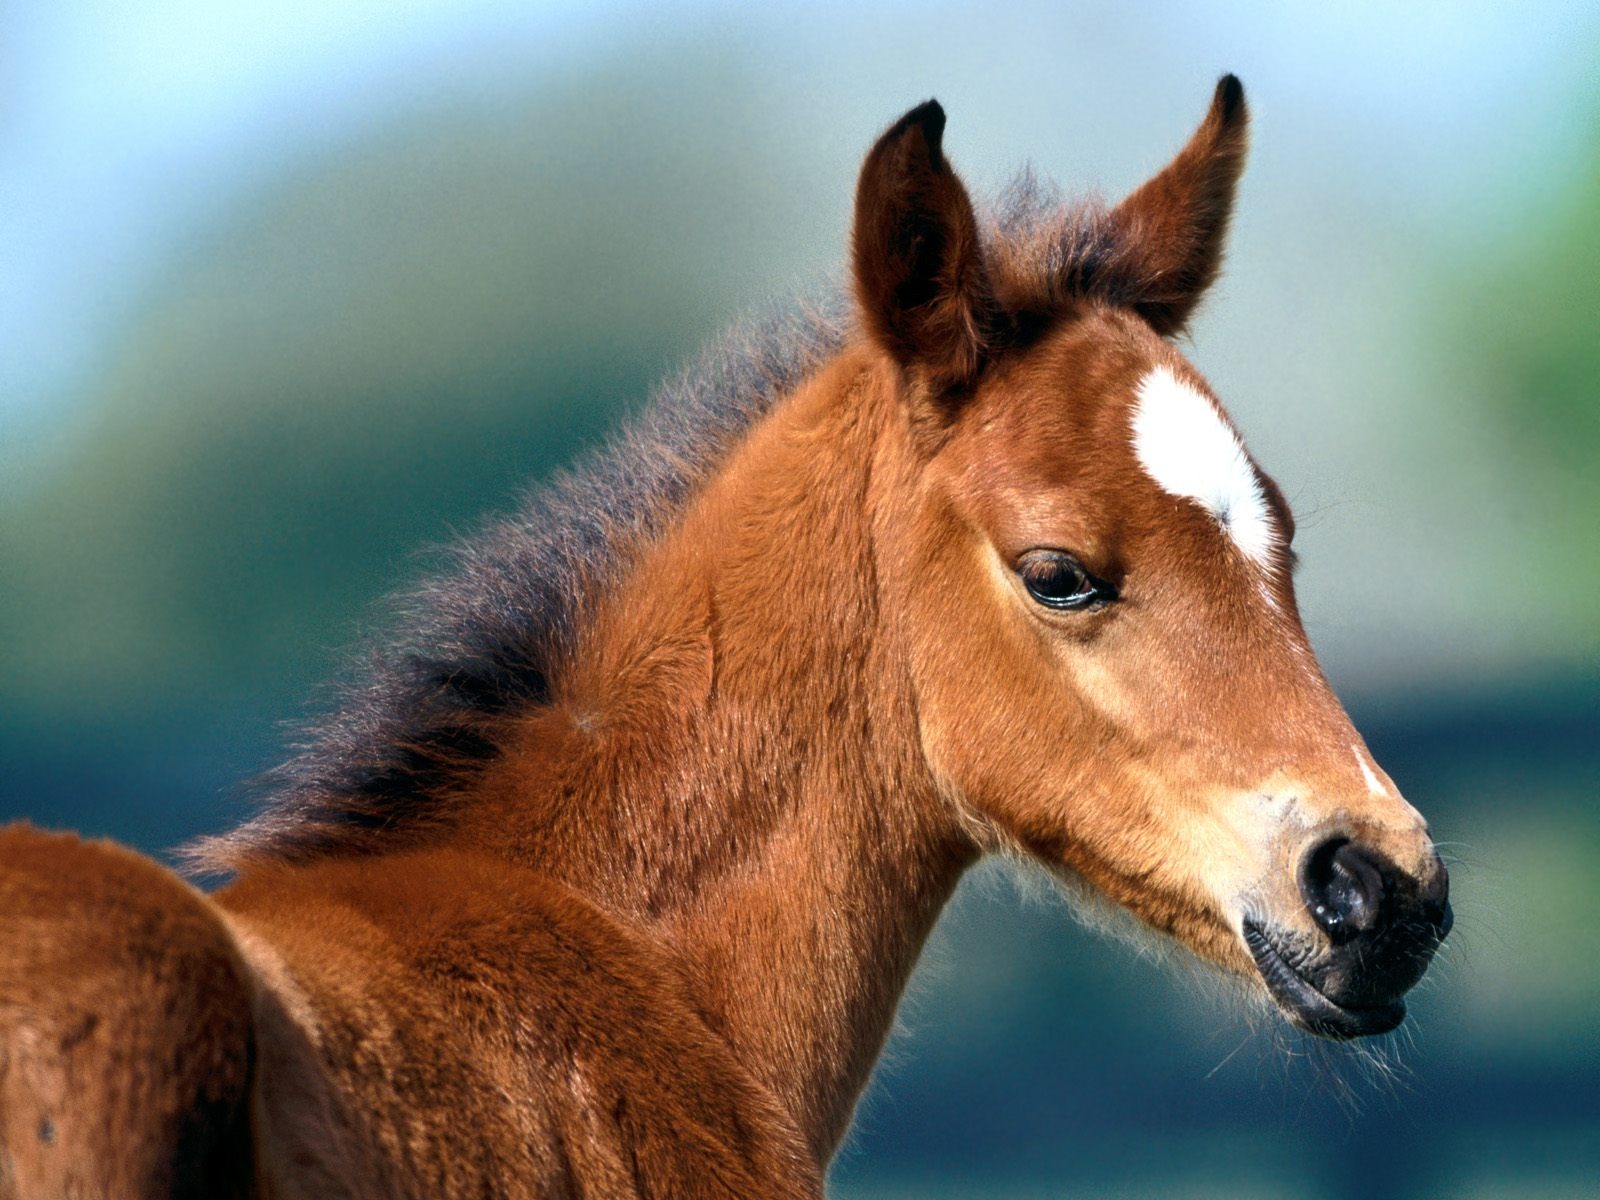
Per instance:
(127,1047)
(633,917)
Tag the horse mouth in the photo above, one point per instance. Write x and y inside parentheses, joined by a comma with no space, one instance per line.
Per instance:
(1307,1005)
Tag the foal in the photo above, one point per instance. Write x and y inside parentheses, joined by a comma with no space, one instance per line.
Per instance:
(608,881)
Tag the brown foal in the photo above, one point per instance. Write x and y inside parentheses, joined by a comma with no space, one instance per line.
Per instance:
(607,881)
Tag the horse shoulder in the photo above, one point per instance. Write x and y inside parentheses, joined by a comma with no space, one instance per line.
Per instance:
(442,1023)
(125,1036)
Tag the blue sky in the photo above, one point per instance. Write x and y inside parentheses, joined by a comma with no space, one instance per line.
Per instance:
(127,121)
(124,123)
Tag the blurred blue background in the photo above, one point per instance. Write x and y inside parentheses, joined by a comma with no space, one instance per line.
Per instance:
(295,290)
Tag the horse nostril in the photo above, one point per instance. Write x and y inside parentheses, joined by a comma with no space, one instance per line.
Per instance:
(1345,888)
(1444,922)
(1436,900)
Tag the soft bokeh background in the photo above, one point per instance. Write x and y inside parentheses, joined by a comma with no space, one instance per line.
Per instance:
(293,289)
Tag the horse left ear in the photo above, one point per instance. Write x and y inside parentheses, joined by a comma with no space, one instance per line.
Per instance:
(1171,229)
(918,260)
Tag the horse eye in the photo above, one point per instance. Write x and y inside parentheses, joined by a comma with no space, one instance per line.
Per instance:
(1057,580)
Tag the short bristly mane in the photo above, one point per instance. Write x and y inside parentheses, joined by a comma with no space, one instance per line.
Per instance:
(480,642)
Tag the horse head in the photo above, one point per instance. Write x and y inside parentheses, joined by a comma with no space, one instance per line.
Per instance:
(1110,670)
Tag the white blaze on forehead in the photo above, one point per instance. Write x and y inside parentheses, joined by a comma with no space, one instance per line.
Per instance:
(1186,446)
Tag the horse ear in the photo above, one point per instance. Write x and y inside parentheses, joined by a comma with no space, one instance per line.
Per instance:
(1172,228)
(919,272)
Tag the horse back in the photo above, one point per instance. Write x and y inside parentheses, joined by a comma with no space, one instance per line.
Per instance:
(125,1033)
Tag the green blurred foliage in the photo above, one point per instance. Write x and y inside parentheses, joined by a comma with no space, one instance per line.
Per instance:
(366,359)
(1532,323)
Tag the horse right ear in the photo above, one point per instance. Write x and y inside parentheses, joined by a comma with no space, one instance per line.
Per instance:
(1172,228)
(919,273)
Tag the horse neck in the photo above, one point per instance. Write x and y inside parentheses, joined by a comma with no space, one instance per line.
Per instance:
(734,760)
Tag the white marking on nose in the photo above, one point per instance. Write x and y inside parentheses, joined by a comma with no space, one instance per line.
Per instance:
(1185,445)
(1374,784)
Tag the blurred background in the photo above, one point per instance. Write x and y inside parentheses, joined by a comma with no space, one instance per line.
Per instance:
(296,290)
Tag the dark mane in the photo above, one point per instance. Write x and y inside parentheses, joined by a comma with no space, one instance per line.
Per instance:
(483,640)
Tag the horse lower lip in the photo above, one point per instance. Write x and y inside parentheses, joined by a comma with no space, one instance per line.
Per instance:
(1307,1006)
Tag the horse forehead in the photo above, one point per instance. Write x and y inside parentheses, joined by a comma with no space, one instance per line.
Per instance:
(1107,410)
(1183,442)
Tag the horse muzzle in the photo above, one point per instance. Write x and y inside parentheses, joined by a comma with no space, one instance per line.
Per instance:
(1374,931)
